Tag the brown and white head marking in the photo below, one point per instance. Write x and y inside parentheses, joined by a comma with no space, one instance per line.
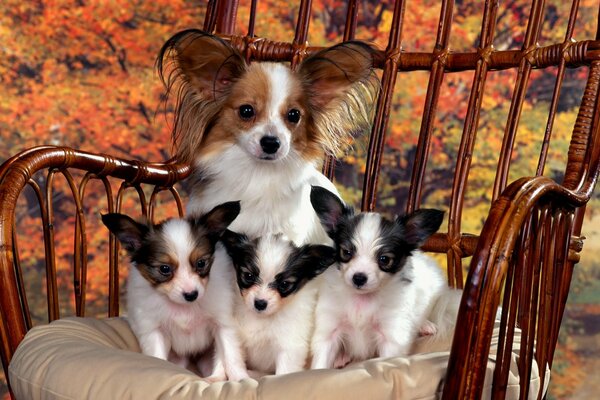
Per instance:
(271,269)
(266,109)
(371,249)
(176,255)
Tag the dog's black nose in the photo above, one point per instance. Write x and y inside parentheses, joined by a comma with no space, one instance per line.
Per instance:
(190,296)
(359,279)
(260,305)
(270,144)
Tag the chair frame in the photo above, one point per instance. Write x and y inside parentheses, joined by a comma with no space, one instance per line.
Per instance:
(522,260)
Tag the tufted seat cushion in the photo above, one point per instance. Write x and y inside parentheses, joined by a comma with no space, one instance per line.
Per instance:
(85,358)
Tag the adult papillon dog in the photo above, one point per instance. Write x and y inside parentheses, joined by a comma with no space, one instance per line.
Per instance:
(257,131)
(276,299)
(379,299)
(179,302)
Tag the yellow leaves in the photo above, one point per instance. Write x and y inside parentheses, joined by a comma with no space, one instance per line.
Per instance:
(386,20)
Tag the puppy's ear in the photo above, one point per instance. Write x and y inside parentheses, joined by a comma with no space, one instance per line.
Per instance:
(329,208)
(207,63)
(238,246)
(328,74)
(419,225)
(314,259)
(218,219)
(129,232)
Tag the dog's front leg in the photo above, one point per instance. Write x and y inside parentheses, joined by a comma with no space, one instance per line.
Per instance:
(229,354)
(393,347)
(325,346)
(155,344)
(291,360)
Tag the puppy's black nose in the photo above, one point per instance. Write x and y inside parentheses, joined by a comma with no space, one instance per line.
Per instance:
(359,279)
(270,144)
(190,296)
(260,305)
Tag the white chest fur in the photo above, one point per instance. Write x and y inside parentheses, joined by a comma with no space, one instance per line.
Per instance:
(275,196)
(278,343)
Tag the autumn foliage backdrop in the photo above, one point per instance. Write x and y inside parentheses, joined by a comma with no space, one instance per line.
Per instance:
(81,74)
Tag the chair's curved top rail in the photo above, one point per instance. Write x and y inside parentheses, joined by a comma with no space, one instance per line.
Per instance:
(575,53)
(21,167)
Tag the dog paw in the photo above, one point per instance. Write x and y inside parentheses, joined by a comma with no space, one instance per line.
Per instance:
(215,378)
(238,375)
(428,329)
(341,360)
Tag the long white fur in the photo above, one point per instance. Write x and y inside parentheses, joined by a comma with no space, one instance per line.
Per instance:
(274,194)
(164,323)
(276,341)
(352,325)
(442,320)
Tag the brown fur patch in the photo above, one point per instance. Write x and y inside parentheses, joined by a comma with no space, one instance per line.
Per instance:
(156,253)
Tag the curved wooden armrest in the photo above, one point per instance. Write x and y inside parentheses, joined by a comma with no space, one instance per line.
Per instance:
(16,173)
(483,289)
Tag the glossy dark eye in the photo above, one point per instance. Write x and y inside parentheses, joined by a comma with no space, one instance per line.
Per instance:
(293,116)
(248,277)
(246,112)
(385,261)
(200,265)
(285,286)
(165,269)
(346,254)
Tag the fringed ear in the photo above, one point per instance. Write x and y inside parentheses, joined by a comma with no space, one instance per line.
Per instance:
(342,89)
(314,259)
(238,246)
(218,219)
(329,209)
(129,232)
(204,66)
(208,63)
(419,225)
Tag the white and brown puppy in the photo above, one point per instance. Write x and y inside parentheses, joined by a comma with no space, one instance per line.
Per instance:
(256,132)
(380,295)
(275,308)
(177,306)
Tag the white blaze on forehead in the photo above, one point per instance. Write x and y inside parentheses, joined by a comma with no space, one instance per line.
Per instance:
(181,240)
(367,234)
(272,254)
(280,86)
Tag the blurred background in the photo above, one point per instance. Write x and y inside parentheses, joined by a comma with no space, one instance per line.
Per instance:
(81,74)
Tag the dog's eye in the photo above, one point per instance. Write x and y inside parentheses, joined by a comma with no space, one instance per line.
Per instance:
(385,261)
(201,265)
(285,286)
(345,254)
(248,277)
(165,269)
(293,116)
(246,111)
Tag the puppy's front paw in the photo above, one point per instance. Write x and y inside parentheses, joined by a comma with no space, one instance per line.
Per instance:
(341,360)
(428,329)
(238,375)
(215,378)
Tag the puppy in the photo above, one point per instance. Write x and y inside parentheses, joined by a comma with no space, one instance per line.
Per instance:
(256,132)
(379,297)
(176,306)
(275,308)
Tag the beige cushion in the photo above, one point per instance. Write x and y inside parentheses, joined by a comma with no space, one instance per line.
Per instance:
(84,358)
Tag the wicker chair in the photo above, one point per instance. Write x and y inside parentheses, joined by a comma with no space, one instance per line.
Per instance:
(522,259)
